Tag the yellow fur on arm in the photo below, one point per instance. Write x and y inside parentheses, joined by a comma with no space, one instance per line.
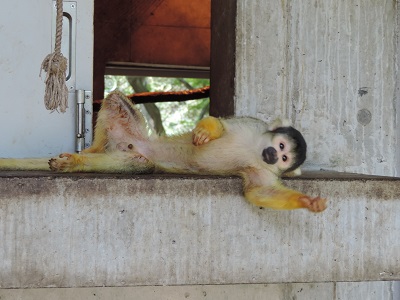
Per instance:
(277,197)
(264,189)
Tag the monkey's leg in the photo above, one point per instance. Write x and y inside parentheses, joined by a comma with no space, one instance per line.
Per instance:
(206,130)
(100,139)
(114,162)
(119,120)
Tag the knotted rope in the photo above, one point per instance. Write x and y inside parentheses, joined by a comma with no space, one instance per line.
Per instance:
(55,65)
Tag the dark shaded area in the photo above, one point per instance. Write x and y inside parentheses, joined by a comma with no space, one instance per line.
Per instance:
(308,175)
(169,32)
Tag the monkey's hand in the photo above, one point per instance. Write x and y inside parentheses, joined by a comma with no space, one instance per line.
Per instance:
(316,204)
(207,129)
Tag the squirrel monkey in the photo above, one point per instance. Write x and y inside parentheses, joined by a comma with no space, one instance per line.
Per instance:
(238,146)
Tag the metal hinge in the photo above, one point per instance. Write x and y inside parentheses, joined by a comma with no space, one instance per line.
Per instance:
(84,117)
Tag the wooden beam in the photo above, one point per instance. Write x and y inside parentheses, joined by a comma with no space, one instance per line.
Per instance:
(223,50)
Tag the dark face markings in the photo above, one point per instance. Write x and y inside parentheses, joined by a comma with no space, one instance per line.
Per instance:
(270,156)
(279,153)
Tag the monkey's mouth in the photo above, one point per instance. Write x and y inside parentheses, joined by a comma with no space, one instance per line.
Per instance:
(269,155)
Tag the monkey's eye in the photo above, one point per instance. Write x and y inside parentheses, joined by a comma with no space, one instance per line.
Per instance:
(284,158)
(281,146)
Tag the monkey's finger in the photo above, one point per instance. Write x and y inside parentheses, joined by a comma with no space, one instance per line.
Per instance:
(195,139)
(195,136)
(204,138)
(200,137)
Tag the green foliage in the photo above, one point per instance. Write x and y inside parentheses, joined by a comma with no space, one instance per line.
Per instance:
(177,117)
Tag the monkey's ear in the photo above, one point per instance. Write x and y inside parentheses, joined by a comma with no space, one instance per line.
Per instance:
(294,173)
(279,123)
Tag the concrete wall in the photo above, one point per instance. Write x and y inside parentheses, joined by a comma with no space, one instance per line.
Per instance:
(85,231)
(331,67)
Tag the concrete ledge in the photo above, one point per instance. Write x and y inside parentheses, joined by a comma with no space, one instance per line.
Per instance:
(86,230)
(299,291)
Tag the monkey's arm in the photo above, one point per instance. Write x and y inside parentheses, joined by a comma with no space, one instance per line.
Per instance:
(206,130)
(264,189)
(279,197)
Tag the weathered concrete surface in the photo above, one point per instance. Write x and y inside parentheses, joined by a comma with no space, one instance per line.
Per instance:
(85,231)
(211,292)
(382,290)
(332,68)
(296,291)
(367,290)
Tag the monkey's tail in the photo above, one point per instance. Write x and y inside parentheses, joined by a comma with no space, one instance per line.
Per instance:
(27,164)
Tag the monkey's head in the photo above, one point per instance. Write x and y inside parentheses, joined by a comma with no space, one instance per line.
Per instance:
(287,150)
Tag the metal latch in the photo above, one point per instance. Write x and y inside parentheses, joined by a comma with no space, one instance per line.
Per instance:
(84,116)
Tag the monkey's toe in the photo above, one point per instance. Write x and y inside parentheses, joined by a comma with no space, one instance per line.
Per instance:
(55,165)
(52,164)
(140,158)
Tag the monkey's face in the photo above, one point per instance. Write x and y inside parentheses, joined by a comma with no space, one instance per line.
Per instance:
(280,153)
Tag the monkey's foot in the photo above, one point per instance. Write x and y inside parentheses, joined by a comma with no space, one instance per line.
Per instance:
(316,204)
(65,163)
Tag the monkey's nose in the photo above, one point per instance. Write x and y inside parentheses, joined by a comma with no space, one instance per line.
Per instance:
(269,155)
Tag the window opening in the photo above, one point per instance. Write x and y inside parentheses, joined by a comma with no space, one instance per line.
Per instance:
(165,118)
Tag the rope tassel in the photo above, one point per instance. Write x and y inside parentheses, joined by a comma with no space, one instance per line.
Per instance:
(55,65)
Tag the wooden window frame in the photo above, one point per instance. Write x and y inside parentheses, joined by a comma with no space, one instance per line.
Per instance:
(222,61)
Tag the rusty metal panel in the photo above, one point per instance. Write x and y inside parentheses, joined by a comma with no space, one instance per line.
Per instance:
(82,231)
